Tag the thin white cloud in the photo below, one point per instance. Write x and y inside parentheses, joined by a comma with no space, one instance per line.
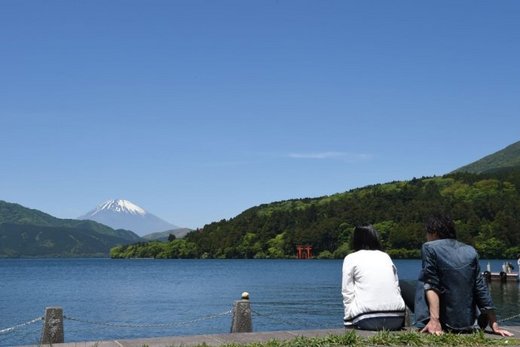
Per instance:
(331,155)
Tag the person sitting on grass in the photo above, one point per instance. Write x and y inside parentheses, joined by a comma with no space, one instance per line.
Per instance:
(370,286)
(451,292)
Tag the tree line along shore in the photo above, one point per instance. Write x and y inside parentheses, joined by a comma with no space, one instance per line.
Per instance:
(485,208)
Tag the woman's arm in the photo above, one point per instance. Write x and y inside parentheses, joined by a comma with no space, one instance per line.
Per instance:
(347,283)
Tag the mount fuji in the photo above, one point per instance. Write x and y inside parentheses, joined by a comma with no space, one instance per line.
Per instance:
(123,214)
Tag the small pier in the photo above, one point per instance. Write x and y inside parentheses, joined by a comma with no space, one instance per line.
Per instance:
(501,276)
(505,274)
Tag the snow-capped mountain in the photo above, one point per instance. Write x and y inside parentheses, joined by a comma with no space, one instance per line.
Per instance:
(123,214)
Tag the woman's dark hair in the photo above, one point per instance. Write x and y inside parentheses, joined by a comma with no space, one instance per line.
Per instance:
(366,237)
(442,225)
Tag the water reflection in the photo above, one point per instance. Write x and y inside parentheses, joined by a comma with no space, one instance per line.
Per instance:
(505,297)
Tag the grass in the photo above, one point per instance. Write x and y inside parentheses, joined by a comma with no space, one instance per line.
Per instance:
(385,338)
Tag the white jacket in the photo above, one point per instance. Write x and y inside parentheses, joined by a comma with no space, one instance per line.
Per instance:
(370,287)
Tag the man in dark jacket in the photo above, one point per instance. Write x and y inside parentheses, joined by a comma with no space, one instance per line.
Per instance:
(453,291)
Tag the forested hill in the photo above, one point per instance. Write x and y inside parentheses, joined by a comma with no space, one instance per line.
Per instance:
(506,158)
(27,232)
(485,207)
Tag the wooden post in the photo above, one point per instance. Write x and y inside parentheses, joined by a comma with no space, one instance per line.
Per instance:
(53,326)
(309,251)
(241,321)
(407,317)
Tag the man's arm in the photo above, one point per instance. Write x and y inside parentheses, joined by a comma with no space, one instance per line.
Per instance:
(494,325)
(485,303)
(434,324)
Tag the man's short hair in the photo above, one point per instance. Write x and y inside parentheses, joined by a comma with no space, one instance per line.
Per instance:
(442,225)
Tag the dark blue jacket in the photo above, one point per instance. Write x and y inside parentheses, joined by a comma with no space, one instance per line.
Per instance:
(452,269)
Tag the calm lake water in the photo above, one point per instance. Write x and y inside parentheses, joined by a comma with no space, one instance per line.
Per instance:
(114,299)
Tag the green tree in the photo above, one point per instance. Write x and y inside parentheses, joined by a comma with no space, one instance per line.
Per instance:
(276,247)
(490,248)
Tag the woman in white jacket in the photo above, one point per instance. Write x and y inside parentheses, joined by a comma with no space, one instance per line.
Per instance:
(370,286)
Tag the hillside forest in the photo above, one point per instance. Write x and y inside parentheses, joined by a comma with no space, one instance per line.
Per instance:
(485,208)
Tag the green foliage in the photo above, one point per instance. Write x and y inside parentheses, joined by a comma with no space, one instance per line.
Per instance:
(276,245)
(325,255)
(342,251)
(385,338)
(176,249)
(485,209)
(490,248)
(512,253)
(19,240)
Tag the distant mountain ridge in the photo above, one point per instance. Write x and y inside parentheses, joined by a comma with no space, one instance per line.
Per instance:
(26,232)
(123,214)
(506,158)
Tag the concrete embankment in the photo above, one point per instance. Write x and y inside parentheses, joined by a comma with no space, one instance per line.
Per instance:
(238,338)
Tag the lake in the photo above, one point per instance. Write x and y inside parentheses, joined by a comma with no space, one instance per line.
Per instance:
(114,299)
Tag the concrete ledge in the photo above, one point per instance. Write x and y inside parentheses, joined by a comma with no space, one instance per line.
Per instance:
(221,339)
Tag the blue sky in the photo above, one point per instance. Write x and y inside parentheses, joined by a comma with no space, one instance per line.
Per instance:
(197,110)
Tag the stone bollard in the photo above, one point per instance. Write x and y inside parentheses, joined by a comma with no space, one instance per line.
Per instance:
(241,321)
(53,326)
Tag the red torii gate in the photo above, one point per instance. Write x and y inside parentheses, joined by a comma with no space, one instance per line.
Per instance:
(304,251)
